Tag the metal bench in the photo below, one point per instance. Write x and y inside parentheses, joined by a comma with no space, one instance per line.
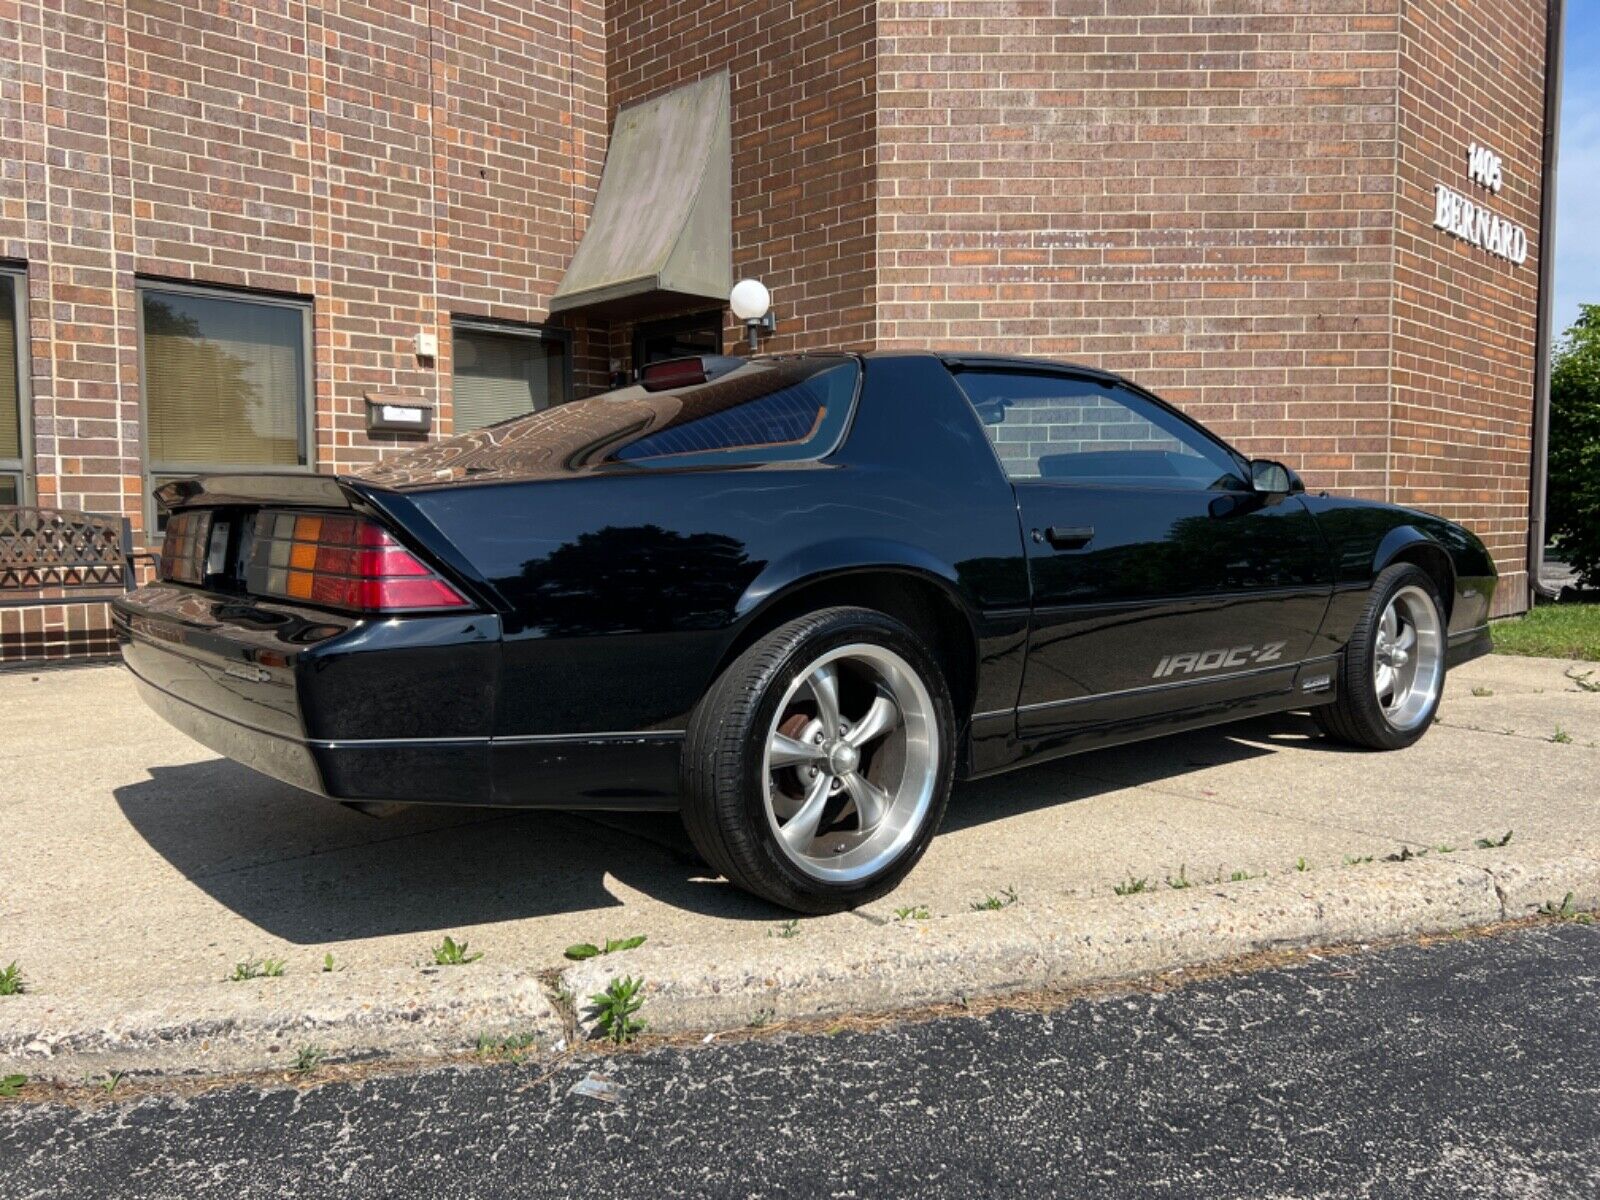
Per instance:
(59,554)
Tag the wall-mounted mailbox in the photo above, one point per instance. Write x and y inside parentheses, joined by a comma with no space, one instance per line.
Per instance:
(398,414)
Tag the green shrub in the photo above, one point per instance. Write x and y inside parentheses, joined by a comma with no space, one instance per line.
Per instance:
(1573,509)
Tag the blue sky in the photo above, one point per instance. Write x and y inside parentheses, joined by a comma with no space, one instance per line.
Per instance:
(1578,185)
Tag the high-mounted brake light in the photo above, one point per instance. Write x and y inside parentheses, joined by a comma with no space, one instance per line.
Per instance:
(682,372)
(342,562)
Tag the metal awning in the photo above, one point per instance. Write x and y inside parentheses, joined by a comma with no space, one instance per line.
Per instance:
(662,230)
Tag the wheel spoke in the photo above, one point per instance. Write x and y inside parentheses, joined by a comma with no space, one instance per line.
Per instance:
(871,800)
(881,718)
(1407,639)
(801,829)
(1383,682)
(1390,625)
(824,685)
(785,751)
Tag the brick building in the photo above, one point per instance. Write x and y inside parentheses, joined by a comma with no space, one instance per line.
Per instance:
(224,227)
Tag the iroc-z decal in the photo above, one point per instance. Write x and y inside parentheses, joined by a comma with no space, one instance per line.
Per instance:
(1215,660)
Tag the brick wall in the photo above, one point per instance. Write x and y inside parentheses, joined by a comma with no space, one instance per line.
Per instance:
(1195,194)
(1208,195)
(393,163)
(1228,199)
(1463,318)
(802,78)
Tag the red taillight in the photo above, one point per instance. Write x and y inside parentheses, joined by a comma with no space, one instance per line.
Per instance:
(342,562)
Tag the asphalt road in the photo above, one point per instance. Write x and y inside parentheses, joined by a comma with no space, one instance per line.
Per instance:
(1465,1068)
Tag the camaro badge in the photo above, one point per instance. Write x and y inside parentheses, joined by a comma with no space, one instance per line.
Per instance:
(1214,660)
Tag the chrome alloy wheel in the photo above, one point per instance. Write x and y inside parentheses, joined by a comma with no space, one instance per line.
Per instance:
(1408,658)
(851,763)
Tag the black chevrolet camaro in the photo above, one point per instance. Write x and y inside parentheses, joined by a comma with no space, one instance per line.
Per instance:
(792,598)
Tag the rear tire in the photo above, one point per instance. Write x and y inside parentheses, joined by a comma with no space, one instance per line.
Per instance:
(818,766)
(1391,674)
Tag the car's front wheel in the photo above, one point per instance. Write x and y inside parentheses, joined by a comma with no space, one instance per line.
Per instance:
(818,766)
(1392,672)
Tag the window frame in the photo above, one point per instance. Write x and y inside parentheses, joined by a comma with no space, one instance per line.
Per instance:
(21,468)
(533,331)
(1110,383)
(155,473)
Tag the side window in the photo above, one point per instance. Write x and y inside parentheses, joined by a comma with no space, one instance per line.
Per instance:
(1077,430)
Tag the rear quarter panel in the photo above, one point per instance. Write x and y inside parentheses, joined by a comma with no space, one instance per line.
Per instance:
(623,593)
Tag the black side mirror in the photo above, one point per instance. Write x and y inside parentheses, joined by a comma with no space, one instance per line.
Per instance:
(1270,477)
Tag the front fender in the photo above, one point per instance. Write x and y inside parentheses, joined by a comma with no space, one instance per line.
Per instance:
(1407,543)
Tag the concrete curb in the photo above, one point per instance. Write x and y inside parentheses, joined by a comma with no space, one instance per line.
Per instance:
(1068,943)
(261,1024)
(824,971)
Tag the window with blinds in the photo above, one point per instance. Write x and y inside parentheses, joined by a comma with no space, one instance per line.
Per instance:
(224,381)
(10,378)
(13,389)
(497,376)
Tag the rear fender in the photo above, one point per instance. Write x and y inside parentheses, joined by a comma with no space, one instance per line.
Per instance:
(838,559)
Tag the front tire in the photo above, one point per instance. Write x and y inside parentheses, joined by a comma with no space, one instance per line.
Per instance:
(1391,674)
(818,766)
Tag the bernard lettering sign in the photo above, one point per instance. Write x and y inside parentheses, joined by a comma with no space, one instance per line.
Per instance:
(1474,222)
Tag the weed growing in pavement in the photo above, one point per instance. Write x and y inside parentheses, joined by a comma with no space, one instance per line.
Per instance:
(10,1085)
(762,1018)
(1404,854)
(1243,876)
(307,1059)
(992,903)
(451,953)
(328,964)
(912,912)
(513,1047)
(585,950)
(1585,680)
(108,1083)
(786,930)
(1482,692)
(1560,737)
(1300,864)
(1493,843)
(1132,886)
(1351,860)
(1564,911)
(257,968)
(11,981)
(1442,848)
(1182,879)
(615,1008)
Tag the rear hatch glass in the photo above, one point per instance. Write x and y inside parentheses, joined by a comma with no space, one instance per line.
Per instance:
(765,411)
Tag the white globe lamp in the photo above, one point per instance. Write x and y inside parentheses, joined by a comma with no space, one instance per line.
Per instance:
(752,303)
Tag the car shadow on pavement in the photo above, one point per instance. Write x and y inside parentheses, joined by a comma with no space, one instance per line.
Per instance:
(309,871)
(1083,776)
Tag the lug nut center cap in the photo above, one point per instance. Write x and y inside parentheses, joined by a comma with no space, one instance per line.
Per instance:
(843,758)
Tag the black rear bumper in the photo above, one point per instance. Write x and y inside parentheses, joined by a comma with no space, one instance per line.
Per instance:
(391,710)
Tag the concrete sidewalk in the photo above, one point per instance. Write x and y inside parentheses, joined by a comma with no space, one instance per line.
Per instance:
(138,868)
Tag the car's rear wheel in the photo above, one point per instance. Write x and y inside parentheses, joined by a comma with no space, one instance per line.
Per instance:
(1392,673)
(818,766)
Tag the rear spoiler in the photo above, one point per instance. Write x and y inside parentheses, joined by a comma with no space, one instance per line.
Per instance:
(205,491)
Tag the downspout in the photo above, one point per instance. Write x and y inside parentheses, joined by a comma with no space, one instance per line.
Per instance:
(1538,479)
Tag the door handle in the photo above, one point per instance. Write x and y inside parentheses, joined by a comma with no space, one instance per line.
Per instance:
(1069,537)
